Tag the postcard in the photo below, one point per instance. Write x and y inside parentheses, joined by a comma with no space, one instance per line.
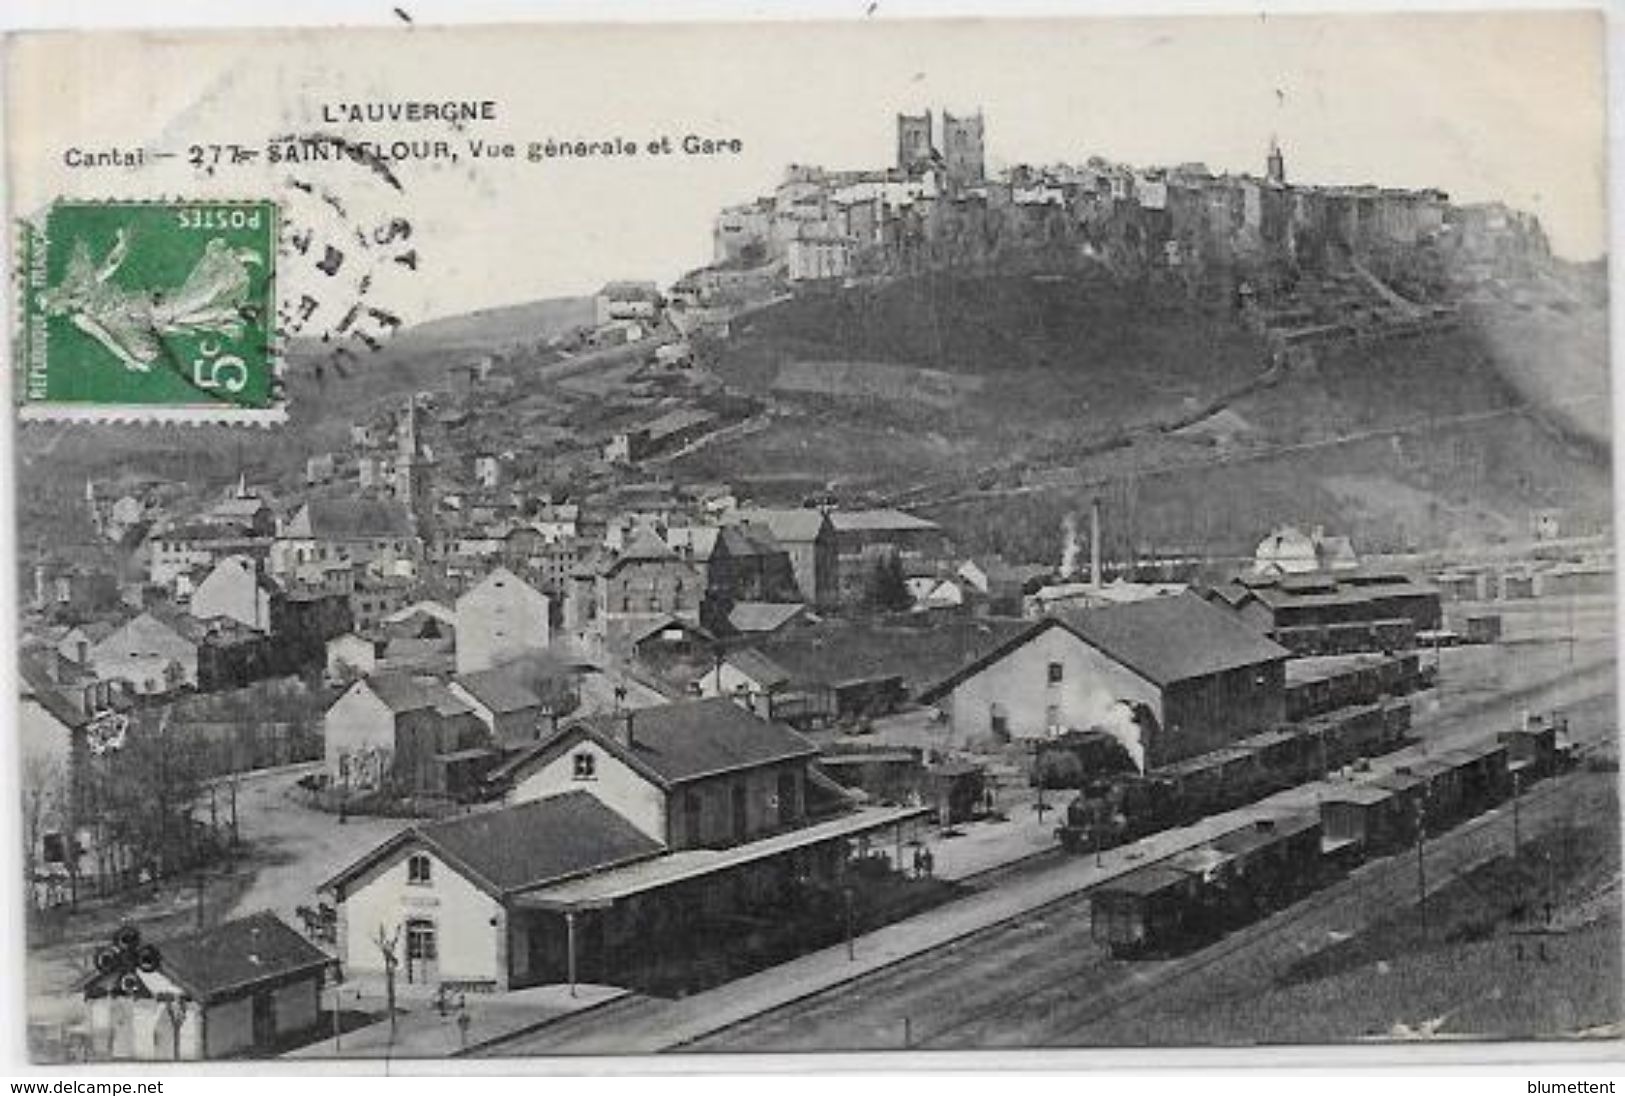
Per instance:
(855,535)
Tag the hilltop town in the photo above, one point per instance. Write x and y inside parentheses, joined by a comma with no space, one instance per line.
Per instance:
(707,630)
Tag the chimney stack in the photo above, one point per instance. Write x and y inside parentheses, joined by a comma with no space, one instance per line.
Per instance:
(1094,543)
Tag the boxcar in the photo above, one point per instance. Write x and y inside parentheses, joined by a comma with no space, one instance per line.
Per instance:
(1441,794)
(1532,749)
(1409,792)
(1282,758)
(1484,776)
(1212,781)
(1150,909)
(1484,628)
(1276,860)
(1366,819)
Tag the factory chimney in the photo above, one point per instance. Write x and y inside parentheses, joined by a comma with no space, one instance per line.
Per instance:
(1094,543)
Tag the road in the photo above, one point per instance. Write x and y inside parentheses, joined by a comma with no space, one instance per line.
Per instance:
(1040,979)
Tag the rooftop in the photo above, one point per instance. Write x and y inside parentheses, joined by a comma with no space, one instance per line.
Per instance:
(403,693)
(687,740)
(351,519)
(236,955)
(886,521)
(786,524)
(498,689)
(758,667)
(835,652)
(763,616)
(1164,640)
(1172,639)
(524,846)
(678,867)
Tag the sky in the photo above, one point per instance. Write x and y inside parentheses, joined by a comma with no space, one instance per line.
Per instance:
(1504,105)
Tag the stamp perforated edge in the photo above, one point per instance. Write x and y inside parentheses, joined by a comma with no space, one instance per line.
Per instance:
(31,231)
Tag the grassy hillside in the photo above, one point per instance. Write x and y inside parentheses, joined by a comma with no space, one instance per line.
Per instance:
(1059,361)
(1044,393)
(1451,437)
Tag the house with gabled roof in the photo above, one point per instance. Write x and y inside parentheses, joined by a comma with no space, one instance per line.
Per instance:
(500,618)
(328,533)
(521,700)
(694,773)
(238,588)
(808,538)
(648,577)
(152,655)
(405,734)
(1168,678)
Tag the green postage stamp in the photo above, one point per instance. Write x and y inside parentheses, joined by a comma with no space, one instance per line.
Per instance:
(150,311)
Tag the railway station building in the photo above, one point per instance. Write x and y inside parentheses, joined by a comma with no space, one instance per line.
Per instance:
(631,848)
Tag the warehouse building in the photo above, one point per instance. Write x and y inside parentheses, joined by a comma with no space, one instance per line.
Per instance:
(1322,614)
(1168,678)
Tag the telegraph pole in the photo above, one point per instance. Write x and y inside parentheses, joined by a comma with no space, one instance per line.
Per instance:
(338,1027)
(1517,790)
(851,944)
(1421,864)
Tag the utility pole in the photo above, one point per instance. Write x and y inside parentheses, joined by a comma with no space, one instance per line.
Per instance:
(338,1028)
(851,943)
(1421,864)
(1569,601)
(1517,790)
(199,885)
(570,948)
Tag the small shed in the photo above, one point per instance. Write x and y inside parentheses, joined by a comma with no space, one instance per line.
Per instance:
(955,789)
(884,774)
(247,986)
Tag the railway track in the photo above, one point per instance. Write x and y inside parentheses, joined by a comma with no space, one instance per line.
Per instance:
(1141,983)
(1088,985)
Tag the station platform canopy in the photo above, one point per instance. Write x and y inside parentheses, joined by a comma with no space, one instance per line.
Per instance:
(605,888)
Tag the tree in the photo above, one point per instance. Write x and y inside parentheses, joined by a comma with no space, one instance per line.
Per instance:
(1058,768)
(147,790)
(888,590)
(43,787)
(386,943)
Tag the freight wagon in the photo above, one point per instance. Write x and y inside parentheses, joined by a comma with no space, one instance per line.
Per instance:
(1206,891)
(1248,873)
(1116,808)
